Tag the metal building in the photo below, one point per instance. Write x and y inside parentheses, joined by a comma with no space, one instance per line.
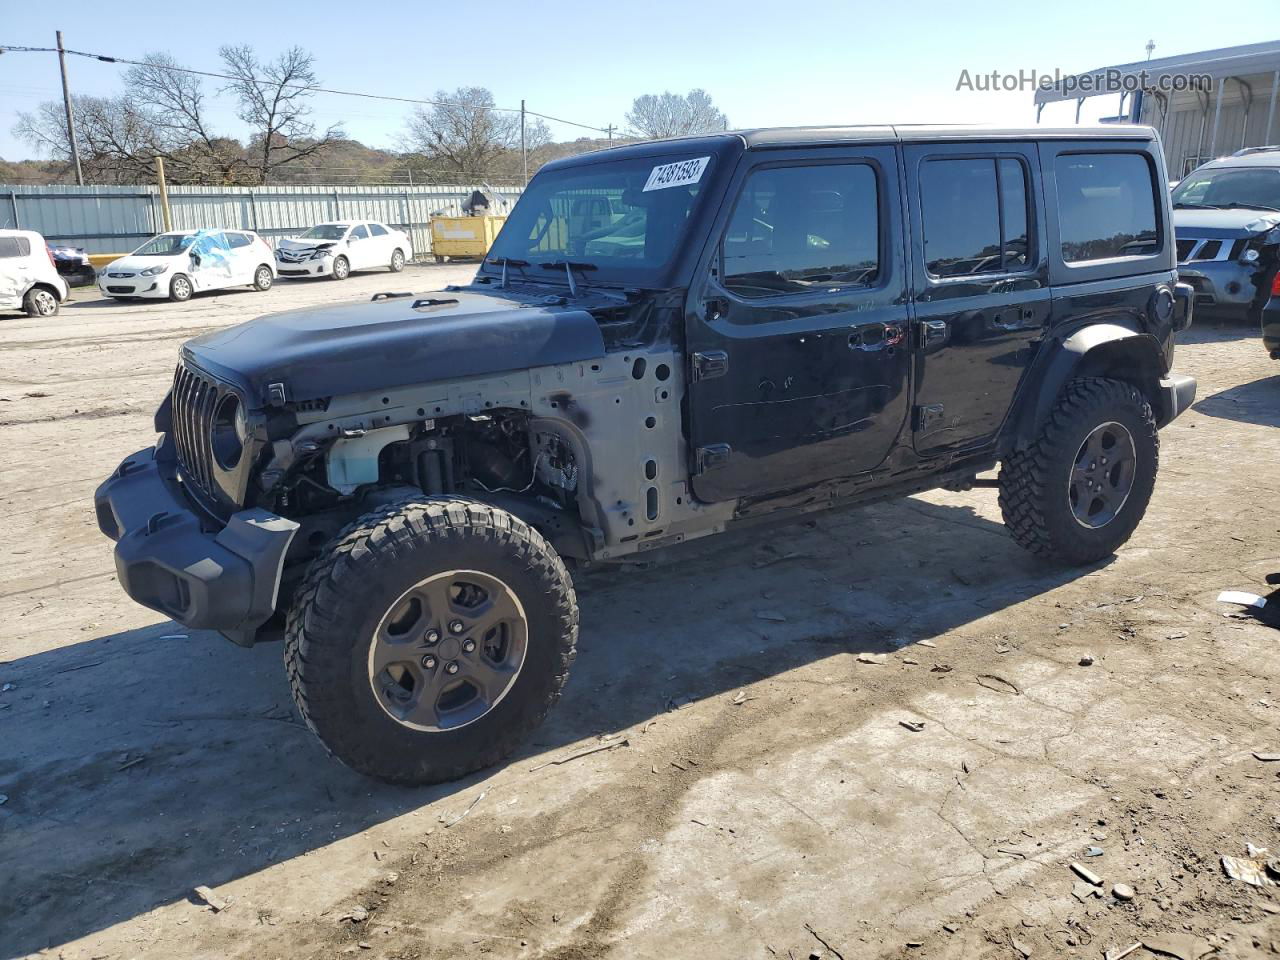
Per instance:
(1205,105)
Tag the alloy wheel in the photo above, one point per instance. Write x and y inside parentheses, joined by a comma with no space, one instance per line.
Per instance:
(1102,475)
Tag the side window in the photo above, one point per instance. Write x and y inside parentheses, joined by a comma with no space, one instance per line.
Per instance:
(237,240)
(14,247)
(377,230)
(1106,206)
(975,216)
(359,233)
(796,228)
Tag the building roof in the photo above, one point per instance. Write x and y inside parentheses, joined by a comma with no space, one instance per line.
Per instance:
(1242,61)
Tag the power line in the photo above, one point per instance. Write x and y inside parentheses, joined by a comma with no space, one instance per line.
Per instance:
(10,48)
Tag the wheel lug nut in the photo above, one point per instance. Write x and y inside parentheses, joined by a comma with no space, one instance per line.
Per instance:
(429,662)
(451,668)
(433,635)
(455,626)
(468,645)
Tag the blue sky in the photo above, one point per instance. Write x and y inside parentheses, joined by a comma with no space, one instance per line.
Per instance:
(764,64)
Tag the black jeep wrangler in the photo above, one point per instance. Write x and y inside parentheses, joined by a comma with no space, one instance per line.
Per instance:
(667,339)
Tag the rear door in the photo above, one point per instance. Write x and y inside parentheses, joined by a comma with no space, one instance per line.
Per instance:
(797,326)
(980,284)
(244,256)
(382,243)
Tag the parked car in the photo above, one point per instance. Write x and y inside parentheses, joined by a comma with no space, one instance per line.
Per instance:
(816,318)
(73,265)
(1226,215)
(336,248)
(181,263)
(28,278)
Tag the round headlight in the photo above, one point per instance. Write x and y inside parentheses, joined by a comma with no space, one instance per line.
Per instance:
(230,429)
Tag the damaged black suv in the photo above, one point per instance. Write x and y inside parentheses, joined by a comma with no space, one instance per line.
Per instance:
(668,339)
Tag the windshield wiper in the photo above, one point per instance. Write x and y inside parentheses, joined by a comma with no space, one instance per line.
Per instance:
(505,261)
(1184,205)
(569,267)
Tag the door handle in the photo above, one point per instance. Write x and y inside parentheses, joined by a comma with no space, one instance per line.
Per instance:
(875,337)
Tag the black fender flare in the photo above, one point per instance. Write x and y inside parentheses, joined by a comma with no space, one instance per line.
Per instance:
(1097,350)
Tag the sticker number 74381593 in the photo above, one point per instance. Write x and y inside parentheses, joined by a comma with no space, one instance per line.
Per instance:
(676,174)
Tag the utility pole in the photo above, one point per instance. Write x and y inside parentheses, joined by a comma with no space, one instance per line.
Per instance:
(1151,46)
(609,130)
(524,150)
(164,195)
(71,114)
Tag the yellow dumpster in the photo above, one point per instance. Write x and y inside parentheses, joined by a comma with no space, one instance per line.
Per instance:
(463,236)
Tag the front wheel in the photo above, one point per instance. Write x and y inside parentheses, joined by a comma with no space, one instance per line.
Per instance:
(1079,490)
(40,302)
(263,278)
(429,638)
(341,268)
(397,261)
(180,289)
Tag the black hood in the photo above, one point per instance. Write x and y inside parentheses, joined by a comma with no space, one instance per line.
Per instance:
(358,347)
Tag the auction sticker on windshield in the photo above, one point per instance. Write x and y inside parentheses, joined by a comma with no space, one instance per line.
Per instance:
(676,174)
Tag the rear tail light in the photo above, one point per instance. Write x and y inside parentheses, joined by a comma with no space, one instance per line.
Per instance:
(1275,285)
(52,262)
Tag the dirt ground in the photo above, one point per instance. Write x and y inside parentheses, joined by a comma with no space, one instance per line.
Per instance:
(759,796)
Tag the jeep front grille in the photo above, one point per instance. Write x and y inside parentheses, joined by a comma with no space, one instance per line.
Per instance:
(194,400)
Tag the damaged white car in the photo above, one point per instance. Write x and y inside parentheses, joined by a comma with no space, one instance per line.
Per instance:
(28,278)
(181,263)
(336,248)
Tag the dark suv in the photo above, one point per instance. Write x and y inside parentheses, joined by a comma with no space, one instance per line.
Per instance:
(668,339)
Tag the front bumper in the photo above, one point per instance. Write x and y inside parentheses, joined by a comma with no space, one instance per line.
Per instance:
(134,286)
(168,559)
(1177,393)
(306,268)
(1221,286)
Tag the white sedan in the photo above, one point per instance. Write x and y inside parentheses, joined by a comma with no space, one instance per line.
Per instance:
(336,248)
(181,263)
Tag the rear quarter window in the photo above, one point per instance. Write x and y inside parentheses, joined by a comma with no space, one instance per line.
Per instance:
(1106,206)
(14,247)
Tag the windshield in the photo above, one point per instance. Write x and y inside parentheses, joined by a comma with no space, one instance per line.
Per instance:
(622,220)
(166,245)
(325,231)
(1256,188)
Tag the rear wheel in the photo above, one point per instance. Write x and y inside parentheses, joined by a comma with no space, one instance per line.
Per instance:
(180,289)
(397,261)
(1078,492)
(341,268)
(429,638)
(263,278)
(40,302)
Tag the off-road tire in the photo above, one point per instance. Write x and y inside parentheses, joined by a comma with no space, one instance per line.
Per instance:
(340,273)
(397,260)
(40,302)
(356,580)
(263,278)
(181,289)
(1035,481)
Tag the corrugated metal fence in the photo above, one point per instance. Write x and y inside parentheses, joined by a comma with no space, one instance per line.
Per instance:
(113,219)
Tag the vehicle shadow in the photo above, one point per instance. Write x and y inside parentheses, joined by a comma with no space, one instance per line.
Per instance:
(142,764)
(1256,402)
(1221,330)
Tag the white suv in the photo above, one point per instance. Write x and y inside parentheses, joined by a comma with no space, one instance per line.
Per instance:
(336,248)
(28,278)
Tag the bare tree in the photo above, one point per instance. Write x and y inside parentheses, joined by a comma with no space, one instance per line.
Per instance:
(117,142)
(173,103)
(654,116)
(275,102)
(466,137)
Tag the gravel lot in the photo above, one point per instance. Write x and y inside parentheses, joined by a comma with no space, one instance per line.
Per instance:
(761,797)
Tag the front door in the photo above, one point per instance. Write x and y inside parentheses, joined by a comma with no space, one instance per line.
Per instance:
(981,285)
(797,331)
(359,254)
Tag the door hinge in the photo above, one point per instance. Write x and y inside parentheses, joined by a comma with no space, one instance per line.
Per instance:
(712,455)
(709,364)
(928,416)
